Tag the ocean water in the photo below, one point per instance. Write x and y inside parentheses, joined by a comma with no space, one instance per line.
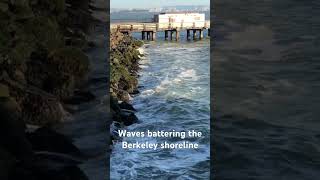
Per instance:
(175,90)
(266,72)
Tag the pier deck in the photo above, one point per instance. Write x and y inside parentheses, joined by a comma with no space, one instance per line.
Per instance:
(149,29)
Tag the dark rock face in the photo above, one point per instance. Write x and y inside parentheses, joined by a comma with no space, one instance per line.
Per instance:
(42,64)
(128,118)
(80,97)
(42,110)
(135,92)
(12,128)
(127,106)
(46,139)
(35,57)
(124,62)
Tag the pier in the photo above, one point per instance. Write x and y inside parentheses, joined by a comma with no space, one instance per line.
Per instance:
(171,24)
(149,30)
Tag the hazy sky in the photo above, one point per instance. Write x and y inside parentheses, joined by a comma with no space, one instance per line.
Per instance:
(154,3)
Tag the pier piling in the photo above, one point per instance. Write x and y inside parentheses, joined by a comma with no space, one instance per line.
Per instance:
(188,34)
(149,30)
(201,33)
(177,35)
(194,34)
(166,35)
(154,35)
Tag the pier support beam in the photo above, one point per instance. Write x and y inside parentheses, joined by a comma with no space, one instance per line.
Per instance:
(154,35)
(170,33)
(200,34)
(194,34)
(177,35)
(166,34)
(148,35)
(188,34)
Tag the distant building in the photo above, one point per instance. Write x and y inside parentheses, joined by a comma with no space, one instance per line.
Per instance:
(180,19)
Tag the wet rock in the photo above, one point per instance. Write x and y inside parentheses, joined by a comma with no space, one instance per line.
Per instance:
(43,110)
(128,118)
(135,92)
(46,139)
(125,105)
(124,96)
(80,97)
(114,105)
(70,67)
(115,135)
(12,130)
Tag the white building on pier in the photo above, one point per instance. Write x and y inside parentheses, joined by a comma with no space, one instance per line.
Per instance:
(180,19)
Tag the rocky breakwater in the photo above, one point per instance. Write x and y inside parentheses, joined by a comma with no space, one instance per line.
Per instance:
(124,67)
(43,69)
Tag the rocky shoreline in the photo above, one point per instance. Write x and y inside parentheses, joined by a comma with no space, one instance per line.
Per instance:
(124,63)
(43,72)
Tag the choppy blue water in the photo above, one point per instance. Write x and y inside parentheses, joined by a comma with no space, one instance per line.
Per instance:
(175,92)
(266,89)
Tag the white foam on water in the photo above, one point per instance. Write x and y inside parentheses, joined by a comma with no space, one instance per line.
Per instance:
(141,50)
(163,85)
(143,66)
(148,92)
(177,80)
(190,73)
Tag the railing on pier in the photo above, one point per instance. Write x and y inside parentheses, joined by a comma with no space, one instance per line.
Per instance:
(138,27)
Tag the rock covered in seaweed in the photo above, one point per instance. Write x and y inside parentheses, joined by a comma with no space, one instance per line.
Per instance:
(124,61)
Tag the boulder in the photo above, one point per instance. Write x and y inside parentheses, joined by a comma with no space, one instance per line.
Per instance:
(12,130)
(80,97)
(46,139)
(68,70)
(128,118)
(41,109)
(127,106)
(124,96)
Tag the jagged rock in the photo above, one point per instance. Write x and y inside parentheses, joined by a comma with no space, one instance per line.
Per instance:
(4,91)
(46,139)
(80,97)
(125,105)
(135,92)
(70,67)
(42,110)
(124,96)
(128,118)
(114,104)
(12,129)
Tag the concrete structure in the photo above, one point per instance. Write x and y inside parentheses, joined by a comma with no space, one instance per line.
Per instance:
(170,23)
(179,20)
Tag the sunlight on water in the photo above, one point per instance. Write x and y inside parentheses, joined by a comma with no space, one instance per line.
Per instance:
(174,96)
